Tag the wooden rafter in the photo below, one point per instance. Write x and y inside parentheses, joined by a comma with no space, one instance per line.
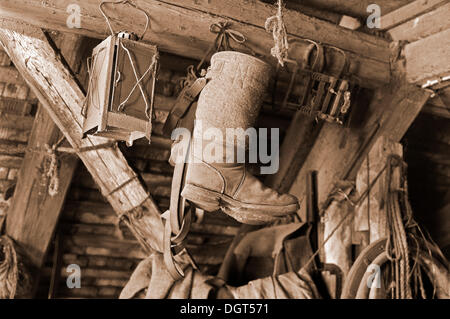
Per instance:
(183,28)
(62,98)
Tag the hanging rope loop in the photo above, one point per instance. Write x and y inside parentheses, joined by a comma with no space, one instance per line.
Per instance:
(275,24)
(147,23)
(222,29)
(222,41)
(51,174)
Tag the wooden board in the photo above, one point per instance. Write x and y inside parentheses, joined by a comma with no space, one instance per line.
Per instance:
(428,58)
(408,12)
(423,25)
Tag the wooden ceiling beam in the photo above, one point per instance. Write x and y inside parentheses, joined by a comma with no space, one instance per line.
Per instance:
(408,12)
(62,98)
(429,58)
(422,26)
(183,28)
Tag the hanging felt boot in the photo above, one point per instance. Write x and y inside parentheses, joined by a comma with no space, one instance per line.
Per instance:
(216,175)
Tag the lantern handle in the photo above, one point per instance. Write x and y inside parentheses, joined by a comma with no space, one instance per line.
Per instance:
(147,23)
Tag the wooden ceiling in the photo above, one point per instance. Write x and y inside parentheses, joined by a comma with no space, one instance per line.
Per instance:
(353,8)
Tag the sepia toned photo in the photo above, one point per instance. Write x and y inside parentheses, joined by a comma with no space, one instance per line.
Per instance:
(237,150)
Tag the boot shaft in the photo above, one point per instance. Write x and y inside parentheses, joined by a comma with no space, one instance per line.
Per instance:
(233,96)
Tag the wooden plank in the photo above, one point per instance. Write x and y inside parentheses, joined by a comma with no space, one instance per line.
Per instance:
(12,148)
(408,12)
(185,31)
(10,161)
(9,74)
(22,123)
(62,98)
(423,26)
(428,58)
(371,215)
(13,134)
(15,106)
(299,139)
(354,8)
(337,152)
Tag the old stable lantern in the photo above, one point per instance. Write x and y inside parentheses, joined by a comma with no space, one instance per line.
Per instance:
(119,102)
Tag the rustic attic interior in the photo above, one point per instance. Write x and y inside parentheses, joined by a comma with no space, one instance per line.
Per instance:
(401,108)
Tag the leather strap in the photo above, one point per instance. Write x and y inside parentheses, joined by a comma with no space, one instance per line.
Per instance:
(182,104)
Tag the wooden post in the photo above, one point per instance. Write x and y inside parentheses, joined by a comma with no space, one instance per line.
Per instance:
(370,216)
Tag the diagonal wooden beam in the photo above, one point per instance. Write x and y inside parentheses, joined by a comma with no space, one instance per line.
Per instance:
(338,152)
(62,98)
(183,27)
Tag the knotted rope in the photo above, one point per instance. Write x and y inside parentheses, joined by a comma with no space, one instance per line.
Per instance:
(50,173)
(9,272)
(222,41)
(276,25)
(15,280)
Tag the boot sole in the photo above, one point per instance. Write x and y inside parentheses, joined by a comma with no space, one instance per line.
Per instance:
(212,201)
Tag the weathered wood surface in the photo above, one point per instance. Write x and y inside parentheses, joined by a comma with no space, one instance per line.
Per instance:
(423,26)
(355,8)
(182,27)
(61,96)
(408,12)
(338,152)
(299,139)
(428,58)
(33,213)
(370,215)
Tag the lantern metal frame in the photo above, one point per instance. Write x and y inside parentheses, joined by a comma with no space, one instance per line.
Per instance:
(114,79)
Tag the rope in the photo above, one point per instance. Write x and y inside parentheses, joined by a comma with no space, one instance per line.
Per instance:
(152,66)
(129,217)
(9,272)
(222,41)
(51,173)
(397,246)
(276,25)
(147,23)
(15,280)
